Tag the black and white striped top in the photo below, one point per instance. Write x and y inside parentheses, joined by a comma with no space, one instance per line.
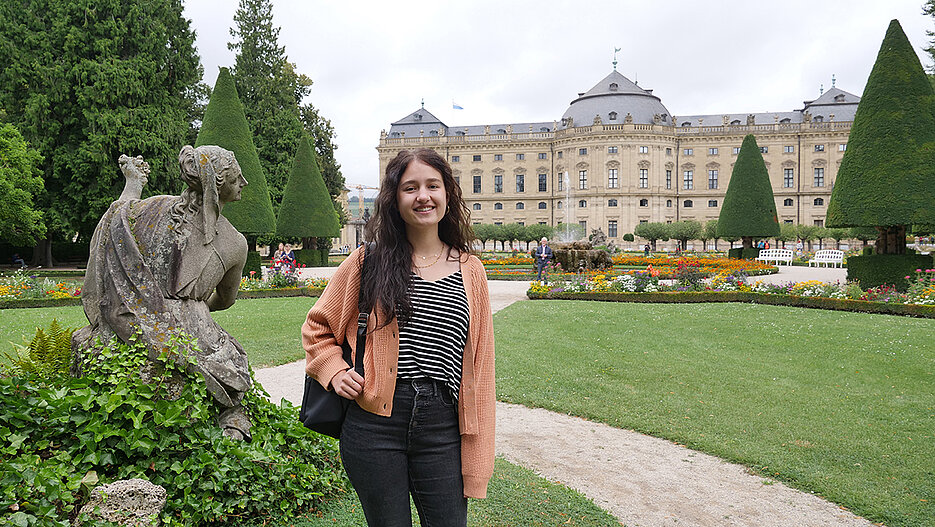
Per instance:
(431,343)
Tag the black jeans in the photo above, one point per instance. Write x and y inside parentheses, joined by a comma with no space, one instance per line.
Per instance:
(416,450)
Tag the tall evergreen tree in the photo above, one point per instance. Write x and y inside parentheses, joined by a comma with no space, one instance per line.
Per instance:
(887,176)
(272,93)
(87,80)
(306,210)
(749,210)
(226,126)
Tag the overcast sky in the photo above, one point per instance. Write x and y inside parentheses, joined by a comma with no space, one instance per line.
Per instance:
(509,61)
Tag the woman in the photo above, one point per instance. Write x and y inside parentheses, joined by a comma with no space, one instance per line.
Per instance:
(423,417)
(159,266)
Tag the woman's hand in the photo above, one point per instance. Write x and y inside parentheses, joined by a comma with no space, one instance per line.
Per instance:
(347,384)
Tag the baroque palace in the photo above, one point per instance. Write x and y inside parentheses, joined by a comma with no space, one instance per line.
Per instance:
(618,157)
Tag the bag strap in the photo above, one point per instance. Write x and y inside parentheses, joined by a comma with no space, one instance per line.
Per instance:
(363,314)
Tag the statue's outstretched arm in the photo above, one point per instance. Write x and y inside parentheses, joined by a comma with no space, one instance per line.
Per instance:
(136,172)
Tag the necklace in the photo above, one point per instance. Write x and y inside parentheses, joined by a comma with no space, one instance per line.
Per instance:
(424,258)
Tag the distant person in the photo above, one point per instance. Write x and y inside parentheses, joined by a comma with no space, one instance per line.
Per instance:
(288,258)
(18,262)
(646,250)
(543,256)
(276,260)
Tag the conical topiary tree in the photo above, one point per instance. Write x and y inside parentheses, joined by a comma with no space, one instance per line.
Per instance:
(307,211)
(749,210)
(887,176)
(226,126)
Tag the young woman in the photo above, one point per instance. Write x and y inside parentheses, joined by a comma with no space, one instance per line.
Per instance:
(422,421)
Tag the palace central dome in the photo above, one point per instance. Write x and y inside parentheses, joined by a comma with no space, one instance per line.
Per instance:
(612,99)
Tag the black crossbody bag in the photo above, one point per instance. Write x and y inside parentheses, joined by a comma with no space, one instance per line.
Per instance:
(323,410)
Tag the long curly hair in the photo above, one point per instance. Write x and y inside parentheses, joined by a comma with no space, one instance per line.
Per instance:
(388,280)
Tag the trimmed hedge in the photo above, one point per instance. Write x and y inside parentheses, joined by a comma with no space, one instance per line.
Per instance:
(253,263)
(736,253)
(241,295)
(878,269)
(309,257)
(690,297)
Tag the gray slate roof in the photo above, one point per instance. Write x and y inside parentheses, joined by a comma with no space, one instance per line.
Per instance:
(837,102)
(616,93)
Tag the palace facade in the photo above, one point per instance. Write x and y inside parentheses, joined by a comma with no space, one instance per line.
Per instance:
(617,157)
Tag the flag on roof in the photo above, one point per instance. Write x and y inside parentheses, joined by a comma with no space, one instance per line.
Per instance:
(456,106)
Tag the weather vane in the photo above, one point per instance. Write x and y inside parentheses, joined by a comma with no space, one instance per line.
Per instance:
(821,89)
(832,80)
(423,103)
(615,58)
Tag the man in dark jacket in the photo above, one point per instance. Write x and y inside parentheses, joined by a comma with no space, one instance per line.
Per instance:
(543,256)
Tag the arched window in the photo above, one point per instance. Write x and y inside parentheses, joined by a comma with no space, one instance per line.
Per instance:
(433,132)
(687,123)
(787,202)
(477,206)
(582,204)
(819,118)
(520,205)
(611,203)
(498,206)
(644,202)
(542,205)
(668,203)
(818,202)
(559,204)
(501,131)
(687,203)
(712,203)
(394,134)
(785,121)
(613,86)
(735,122)
(612,116)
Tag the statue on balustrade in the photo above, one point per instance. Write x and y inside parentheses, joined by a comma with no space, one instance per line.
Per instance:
(159,266)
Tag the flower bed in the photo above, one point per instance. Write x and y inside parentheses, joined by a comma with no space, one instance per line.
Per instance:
(23,286)
(919,300)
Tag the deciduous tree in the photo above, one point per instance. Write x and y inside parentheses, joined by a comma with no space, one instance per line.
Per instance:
(20,183)
(652,231)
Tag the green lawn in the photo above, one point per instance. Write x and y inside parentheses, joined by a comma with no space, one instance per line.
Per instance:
(268,328)
(839,404)
(516,497)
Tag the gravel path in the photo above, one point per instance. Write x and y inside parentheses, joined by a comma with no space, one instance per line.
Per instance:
(642,480)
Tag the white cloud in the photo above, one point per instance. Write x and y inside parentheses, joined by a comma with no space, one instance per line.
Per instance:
(525,60)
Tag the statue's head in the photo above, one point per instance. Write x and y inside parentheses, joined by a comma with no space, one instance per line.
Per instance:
(214,174)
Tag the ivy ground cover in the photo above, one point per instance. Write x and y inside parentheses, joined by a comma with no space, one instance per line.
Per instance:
(835,403)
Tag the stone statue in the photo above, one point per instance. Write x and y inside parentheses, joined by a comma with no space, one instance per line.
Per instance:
(159,266)
(597,237)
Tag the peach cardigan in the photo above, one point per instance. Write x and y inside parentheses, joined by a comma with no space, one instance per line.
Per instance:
(332,320)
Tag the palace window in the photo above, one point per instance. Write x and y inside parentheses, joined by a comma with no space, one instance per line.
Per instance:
(688,180)
(788,177)
(542,182)
(583,179)
(476,157)
(668,179)
(582,204)
(842,147)
(712,179)
(644,202)
(669,203)
(611,203)
(687,203)
(712,151)
(520,205)
(788,149)
(477,184)
(644,149)
(819,223)
(611,149)
(520,157)
(542,205)
(498,183)
(689,151)
(612,116)
(559,204)
(561,182)
(764,149)
(818,202)
(787,202)
(476,206)
(735,150)
(559,154)
(612,228)
(612,181)
(819,148)
(455,159)
(520,183)
(819,177)
(582,151)
(498,157)
(543,155)
(668,151)
(644,178)
(712,203)
(498,206)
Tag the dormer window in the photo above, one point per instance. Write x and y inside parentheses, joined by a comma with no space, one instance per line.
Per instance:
(612,116)
(433,132)
(544,129)
(687,123)
(665,117)
(417,117)
(735,122)
(501,131)
(459,132)
(613,86)
(818,118)
(786,120)
(394,134)
(839,98)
